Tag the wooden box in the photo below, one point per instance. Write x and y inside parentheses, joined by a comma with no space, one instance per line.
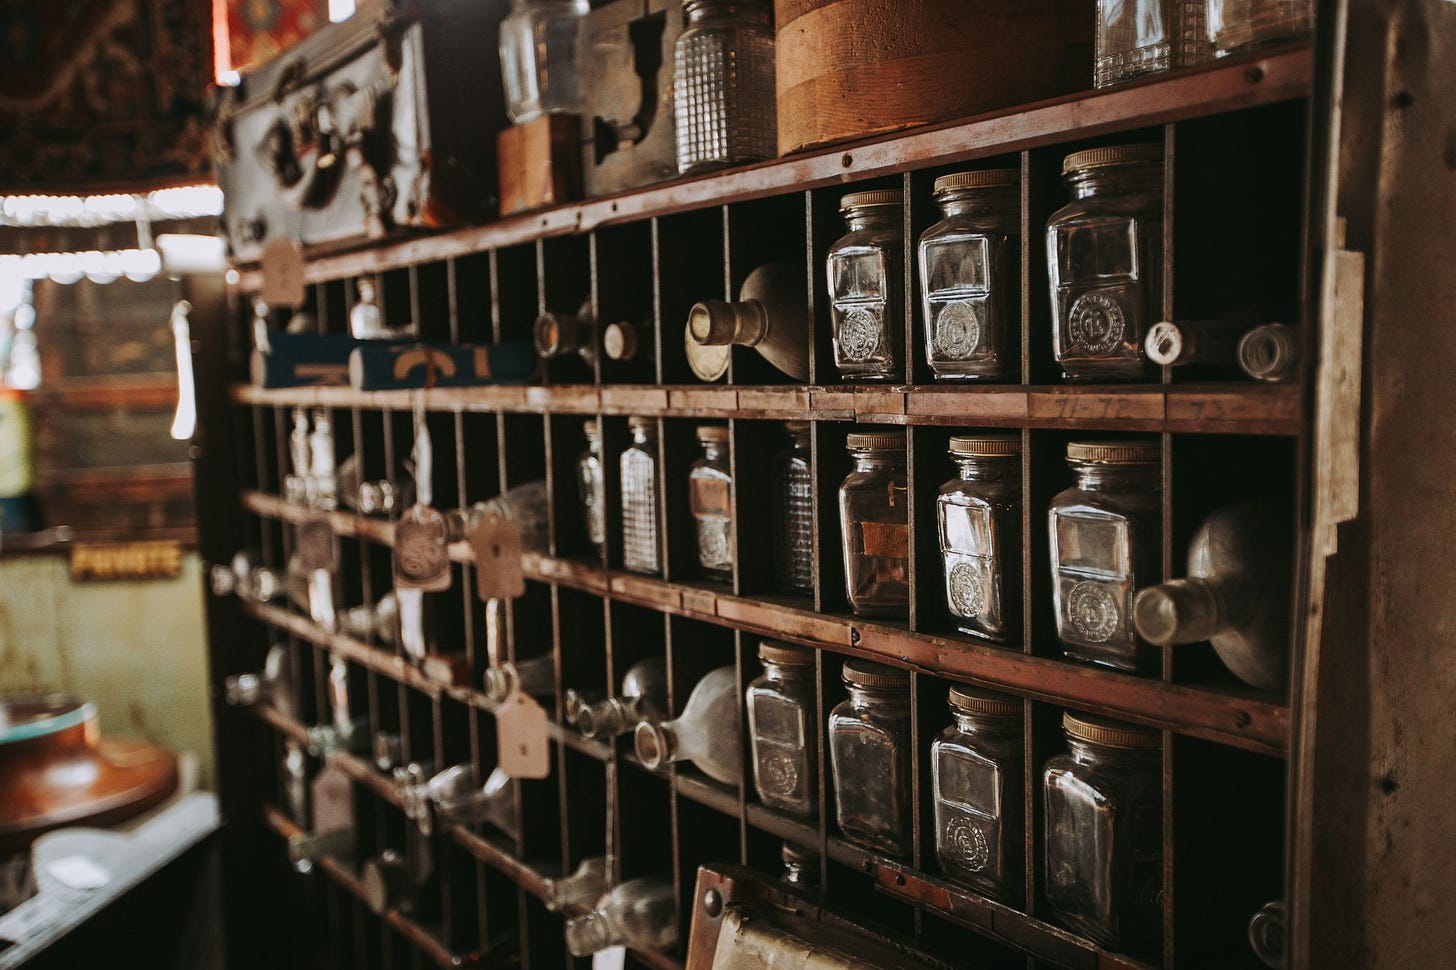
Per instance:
(539,163)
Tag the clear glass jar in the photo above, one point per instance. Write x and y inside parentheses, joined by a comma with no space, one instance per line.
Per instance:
(710,488)
(970,264)
(865,269)
(781,727)
(869,750)
(1104,534)
(591,486)
(793,495)
(1104,833)
(979,517)
(1240,25)
(875,526)
(976,773)
(640,546)
(723,85)
(1105,261)
(538,52)
(1138,37)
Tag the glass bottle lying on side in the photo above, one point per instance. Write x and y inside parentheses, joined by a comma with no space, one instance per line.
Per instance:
(272,685)
(643,697)
(455,796)
(639,913)
(582,888)
(707,733)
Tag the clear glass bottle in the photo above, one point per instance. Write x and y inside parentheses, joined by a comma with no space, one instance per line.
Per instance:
(1270,353)
(801,867)
(535,677)
(322,486)
(538,53)
(781,729)
(979,515)
(1240,25)
(643,697)
(869,750)
(1139,37)
(875,526)
(970,267)
(976,772)
(270,686)
(1104,833)
(706,733)
(640,545)
(865,270)
(723,85)
(710,488)
(1104,534)
(591,485)
(640,913)
(1105,261)
(793,497)
(456,796)
(582,888)
(560,335)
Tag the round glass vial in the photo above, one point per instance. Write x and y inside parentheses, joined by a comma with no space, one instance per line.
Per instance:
(864,271)
(875,526)
(640,543)
(869,751)
(710,487)
(591,487)
(723,85)
(793,495)
(979,517)
(781,729)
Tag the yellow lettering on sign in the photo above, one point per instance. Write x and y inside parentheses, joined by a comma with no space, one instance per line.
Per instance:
(126,560)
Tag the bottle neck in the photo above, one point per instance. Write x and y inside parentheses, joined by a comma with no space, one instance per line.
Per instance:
(715,451)
(874,217)
(603,719)
(1114,180)
(969,723)
(1189,610)
(1097,476)
(988,469)
(868,461)
(658,744)
(885,700)
(799,440)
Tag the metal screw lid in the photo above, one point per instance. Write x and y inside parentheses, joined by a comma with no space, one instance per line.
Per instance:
(867,673)
(1115,734)
(855,200)
(1115,452)
(989,178)
(986,445)
(1144,154)
(973,700)
(874,441)
(712,432)
(782,653)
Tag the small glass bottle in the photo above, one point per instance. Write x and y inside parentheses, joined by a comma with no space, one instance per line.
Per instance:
(1105,261)
(781,727)
(561,336)
(591,486)
(976,772)
(865,270)
(1104,833)
(979,514)
(640,544)
(1139,37)
(582,888)
(969,271)
(643,697)
(538,53)
(1104,545)
(706,733)
(869,750)
(723,85)
(710,488)
(321,482)
(640,913)
(793,496)
(875,526)
(1241,25)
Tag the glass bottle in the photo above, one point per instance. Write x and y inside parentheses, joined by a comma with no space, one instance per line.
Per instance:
(1105,261)
(639,913)
(538,53)
(1138,37)
(456,796)
(979,514)
(771,315)
(591,485)
(295,484)
(1104,833)
(1235,596)
(1270,353)
(640,544)
(976,773)
(535,677)
(1240,25)
(1104,544)
(875,526)
(560,335)
(865,267)
(271,685)
(710,492)
(643,698)
(793,497)
(582,888)
(723,85)
(366,322)
(970,264)
(706,733)
(869,750)
(623,341)
(801,867)
(321,482)
(781,727)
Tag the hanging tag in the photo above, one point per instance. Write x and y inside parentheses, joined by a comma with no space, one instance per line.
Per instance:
(521,749)
(282,264)
(612,958)
(497,545)
(316,544)
(421,558)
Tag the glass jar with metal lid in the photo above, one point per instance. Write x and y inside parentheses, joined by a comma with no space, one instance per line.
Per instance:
(875,526)
(865,270)
(979,515)
(1104,833)
(781,729)
(793,496)
(969,269)
(710,486)
(1104,533)
(591,486)
(976,772)
(869,750)
(1105,261)
(640,516)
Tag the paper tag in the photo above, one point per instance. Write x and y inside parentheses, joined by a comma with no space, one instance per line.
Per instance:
(612,958)
(887,540)
(497,545)
(421,558)
(521,749)
(79,872)
(282,265)
(316,544)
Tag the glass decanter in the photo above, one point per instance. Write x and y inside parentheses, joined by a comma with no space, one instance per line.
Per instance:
(643,698)
(640,913)
(723,85)
(979,515)
(864,273)
(869,750)
(710,494)
(706,733)
(781,729)
(538,54)
(793,500)
(875,526)
(640,543)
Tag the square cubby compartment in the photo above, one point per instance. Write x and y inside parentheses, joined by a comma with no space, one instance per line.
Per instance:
(627,327)
(700,496)
(690,261)
(774,517)
(767,262)
(578,488)
(470,279)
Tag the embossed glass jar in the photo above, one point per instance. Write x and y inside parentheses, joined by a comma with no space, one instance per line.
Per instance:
(591,486)
(865,269)
(710,486)
(976,773)
(1239,25)
(640,517)
(1104,534)
(1139,37)
(1105,261)
(1104,833)
(723,85)
(969,267)
(979,515)
(875,526)
(793,494)
(781,728)
(869,750)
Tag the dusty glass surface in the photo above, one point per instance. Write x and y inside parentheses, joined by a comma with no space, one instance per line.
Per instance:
(781,730)
(723,85)
(875,527)
(979,517)
(1138,37)
(864,272)
(869,749)
(640,913)
(640,543)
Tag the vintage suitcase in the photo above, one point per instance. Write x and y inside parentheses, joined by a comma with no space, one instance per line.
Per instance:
(377,125)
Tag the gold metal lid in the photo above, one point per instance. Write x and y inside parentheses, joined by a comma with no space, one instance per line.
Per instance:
(974,700)
(1103,730)
(874,441)
(712,432)
(796,427)
(1134,452)
(782,653)
(1143,154)
(867,673)
(988,178)
(986,445)
(855,200)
